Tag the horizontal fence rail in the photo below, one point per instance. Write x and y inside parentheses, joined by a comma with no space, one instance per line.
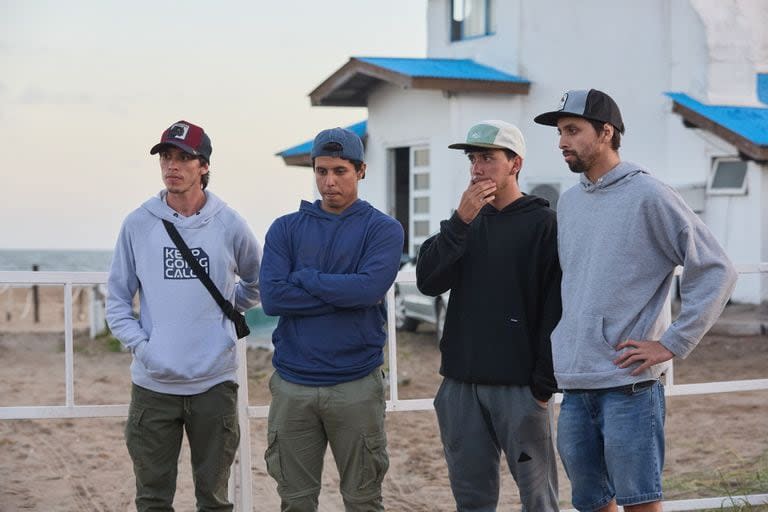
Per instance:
(240,484)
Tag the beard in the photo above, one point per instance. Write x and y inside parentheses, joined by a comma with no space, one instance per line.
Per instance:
(577,165)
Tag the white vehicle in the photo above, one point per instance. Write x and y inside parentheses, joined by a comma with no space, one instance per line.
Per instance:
(413,307)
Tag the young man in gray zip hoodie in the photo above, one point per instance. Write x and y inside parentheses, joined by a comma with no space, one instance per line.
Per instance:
(621,233)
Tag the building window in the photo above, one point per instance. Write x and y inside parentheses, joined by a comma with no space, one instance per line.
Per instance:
(421,157)
(421,204)
(421,181)
(728,177)
(471,18)
(421,228)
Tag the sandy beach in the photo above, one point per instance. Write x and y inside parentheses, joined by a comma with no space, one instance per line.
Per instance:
(716,444)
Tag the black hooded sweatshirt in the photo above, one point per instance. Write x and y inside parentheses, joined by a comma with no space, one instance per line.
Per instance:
(504,277)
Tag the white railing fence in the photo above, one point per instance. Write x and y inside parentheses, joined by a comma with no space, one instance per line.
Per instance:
(240,483)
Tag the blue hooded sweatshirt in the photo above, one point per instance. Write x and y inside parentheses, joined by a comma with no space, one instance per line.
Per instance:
(182,343)
(326,275)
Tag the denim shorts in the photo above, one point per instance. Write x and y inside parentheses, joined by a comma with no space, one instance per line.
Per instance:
(611,443)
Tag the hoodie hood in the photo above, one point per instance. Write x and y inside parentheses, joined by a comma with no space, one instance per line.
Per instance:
(617,176)
(521,205)
(158,207)
(315,209)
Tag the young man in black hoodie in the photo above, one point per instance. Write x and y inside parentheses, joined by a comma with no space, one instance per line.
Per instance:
(498,256)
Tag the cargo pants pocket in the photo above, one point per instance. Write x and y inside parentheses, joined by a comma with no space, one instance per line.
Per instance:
(375,461)
(272,458)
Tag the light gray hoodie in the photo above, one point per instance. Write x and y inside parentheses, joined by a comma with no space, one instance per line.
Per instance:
(181,343)
(619,241)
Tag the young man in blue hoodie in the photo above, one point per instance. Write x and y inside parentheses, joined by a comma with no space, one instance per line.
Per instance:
(325,272)
(183,346)
(621,233)
(497,254)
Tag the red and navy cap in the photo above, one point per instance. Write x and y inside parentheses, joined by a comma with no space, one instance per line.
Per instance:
(187,137)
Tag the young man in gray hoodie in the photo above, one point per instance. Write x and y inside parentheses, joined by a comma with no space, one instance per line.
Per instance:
(621,233)
(183,346)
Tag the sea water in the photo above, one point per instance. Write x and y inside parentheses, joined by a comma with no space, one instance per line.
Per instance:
(53,260)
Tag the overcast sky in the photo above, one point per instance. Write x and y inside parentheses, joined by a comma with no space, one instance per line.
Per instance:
(87,87)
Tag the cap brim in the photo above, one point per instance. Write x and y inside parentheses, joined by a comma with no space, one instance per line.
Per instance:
(551,118)
(159,146)
(464,145)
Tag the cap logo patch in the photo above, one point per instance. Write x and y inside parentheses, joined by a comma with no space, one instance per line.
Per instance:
(482,133)
(563,101)
(178,131)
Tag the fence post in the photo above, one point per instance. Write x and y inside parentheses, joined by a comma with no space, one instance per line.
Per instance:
(36,296)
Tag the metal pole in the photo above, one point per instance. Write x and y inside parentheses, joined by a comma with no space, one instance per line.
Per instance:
(244,475)
(69,347)
(392,346)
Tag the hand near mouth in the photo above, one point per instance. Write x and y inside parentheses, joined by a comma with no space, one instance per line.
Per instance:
(480,192)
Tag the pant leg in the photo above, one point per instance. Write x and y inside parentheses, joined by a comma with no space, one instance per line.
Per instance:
(153,436)
(296,444)
(523,428)
(214,434)
(580,444)
(353,415)
(471,448)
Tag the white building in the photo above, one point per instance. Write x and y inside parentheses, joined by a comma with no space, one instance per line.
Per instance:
(690,77)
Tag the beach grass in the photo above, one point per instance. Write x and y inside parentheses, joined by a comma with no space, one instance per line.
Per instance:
(743,478)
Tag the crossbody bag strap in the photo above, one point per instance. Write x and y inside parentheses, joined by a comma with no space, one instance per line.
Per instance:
(204,278)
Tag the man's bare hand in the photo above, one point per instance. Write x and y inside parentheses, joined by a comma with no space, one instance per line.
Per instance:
(474,198)
(645,352)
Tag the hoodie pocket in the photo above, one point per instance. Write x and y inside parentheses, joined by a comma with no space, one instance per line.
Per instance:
(579,346)
(196,351)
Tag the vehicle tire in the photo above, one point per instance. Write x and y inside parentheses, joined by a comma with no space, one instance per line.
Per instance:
(440,312)
(402,322)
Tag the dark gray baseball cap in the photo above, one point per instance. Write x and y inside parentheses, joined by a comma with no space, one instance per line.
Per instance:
(589,104)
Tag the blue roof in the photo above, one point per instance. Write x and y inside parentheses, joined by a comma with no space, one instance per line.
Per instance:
(750,123)
(306,147)
(460,69)
(762,87)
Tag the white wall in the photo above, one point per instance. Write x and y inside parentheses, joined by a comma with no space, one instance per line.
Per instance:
(740,224)
(734,60)
(635,51)
(400,117)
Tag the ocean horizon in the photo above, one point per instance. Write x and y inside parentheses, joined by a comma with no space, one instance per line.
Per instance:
(98,260)
(69,260)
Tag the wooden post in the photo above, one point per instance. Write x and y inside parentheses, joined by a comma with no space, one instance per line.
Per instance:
(36,296)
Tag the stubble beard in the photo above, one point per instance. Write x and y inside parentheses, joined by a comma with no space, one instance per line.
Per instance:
(578,166)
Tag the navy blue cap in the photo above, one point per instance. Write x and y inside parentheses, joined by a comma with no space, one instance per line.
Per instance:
(338,142)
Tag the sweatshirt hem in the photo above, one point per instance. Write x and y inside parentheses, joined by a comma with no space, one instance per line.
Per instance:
(183,387)
(603,380)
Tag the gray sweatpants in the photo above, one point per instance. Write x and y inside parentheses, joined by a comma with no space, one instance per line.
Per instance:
(478,422)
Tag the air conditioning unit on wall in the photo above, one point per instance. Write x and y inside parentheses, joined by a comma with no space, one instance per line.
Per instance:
(548,191)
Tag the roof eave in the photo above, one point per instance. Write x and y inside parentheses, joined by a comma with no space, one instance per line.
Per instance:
(747,147)
(301,160)
(322,95)
(456,85)
(319,96)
